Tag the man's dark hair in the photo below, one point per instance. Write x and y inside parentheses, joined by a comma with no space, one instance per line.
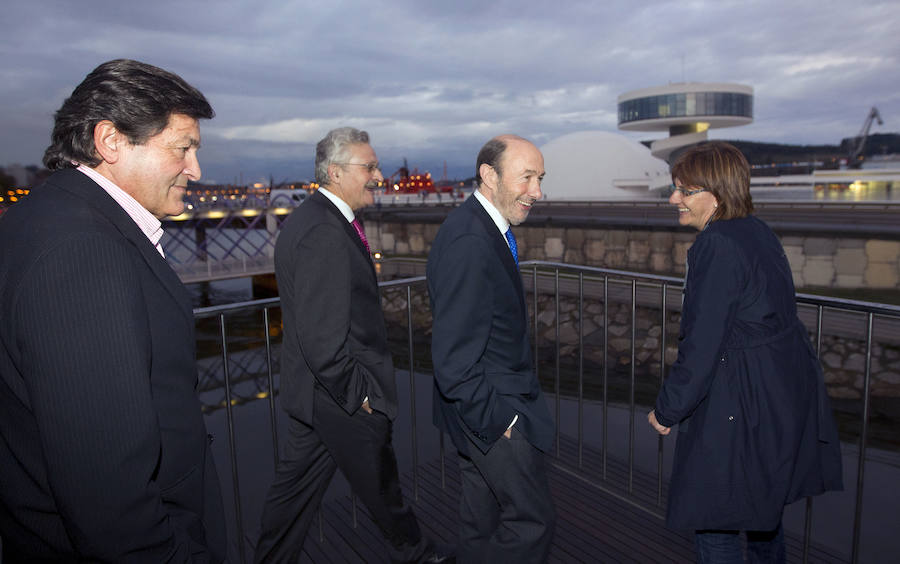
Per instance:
(492,153)
(136,97)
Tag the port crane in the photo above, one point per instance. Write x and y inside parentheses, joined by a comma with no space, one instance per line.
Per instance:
(857,144)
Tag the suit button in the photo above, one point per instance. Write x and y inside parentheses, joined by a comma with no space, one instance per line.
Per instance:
(731,417)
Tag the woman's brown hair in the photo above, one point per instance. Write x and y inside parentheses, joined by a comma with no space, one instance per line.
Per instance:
(723,170)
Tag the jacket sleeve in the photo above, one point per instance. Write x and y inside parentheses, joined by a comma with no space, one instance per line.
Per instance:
(716,278)
(462,305)
(85,345)
(322,280)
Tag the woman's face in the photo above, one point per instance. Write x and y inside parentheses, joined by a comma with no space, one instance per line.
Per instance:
(694,209)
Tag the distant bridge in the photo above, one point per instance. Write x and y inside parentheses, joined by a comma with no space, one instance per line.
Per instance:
(216,244)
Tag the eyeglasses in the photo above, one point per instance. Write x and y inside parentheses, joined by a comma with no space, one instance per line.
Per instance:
(686,192)
(370,167)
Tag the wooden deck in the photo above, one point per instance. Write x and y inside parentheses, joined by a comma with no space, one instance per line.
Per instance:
(596,520)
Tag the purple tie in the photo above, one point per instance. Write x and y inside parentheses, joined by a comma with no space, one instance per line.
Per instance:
(362,234)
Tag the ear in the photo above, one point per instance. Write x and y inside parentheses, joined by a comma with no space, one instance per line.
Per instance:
(334,173)
(108,141)
(488,175)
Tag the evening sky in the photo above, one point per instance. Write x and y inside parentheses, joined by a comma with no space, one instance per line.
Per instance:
(431,81)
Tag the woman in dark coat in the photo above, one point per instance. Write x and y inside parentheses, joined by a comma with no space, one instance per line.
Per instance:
(755,429)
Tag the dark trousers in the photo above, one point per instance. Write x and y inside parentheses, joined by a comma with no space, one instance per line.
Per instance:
(506,511)
(724,547)
(360,445)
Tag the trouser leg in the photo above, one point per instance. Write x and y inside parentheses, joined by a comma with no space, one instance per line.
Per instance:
(515,473)
(301,479)
(766,547)
(361,447)
(479,512)
(718,547)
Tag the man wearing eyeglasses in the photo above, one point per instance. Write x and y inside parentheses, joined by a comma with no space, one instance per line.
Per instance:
(337,375)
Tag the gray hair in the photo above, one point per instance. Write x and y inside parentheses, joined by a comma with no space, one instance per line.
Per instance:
(333,149)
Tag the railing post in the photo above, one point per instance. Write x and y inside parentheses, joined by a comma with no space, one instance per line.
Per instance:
(412,393)
(580,368)
(631,410)
(236,487)
(861,466)
(662,376)
(605,371)
(271,380)
(807,518)
(534,290)
(557,377)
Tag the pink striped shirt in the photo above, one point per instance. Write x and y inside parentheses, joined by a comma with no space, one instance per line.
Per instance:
(146,222)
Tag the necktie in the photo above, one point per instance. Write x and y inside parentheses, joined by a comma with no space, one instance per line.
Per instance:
(362,234)
(514,249)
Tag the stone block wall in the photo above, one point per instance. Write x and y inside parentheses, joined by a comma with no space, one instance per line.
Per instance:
(816,261)
(843,359)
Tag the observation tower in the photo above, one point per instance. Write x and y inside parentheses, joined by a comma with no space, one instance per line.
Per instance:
(687,110)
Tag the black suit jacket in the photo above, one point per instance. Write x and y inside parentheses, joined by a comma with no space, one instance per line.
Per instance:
(334,331)
(480,346)
(104,454)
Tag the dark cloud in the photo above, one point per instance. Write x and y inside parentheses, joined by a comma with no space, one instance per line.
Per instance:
(432,81)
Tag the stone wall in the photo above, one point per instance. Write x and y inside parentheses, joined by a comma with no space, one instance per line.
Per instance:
(816,261)
(843,359)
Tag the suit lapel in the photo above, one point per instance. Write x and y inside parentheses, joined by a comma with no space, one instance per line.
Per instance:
(79,184)
(501,247)
(348,229)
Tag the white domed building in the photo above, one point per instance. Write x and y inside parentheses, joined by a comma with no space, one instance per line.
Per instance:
(601,165)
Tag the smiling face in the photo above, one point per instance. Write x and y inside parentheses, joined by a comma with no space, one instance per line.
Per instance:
(516,186)
(156,172)
(695,210)
(351,180)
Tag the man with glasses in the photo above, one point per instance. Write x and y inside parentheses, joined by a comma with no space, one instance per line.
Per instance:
(337,375)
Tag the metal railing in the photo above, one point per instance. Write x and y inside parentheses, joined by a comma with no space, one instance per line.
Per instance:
(575,283)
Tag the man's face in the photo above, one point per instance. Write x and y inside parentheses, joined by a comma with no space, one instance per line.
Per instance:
(354,181)
(518,183)
(156,173)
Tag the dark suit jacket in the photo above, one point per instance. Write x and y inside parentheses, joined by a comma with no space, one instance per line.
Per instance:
(104,454)
(480,346)
(334,331)
(756,431)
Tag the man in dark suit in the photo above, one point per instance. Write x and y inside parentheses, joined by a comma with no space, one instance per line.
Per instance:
(104,455)
(337,375)
(487,396)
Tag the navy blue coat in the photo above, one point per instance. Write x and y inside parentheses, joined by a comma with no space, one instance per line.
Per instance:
(755,430)
(480,348)
(104,454)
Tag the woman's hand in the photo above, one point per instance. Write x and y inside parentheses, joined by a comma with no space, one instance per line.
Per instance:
(651,417)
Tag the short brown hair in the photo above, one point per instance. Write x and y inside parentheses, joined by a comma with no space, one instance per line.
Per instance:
(723,170)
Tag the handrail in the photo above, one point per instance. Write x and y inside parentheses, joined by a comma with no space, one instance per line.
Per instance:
(551,274)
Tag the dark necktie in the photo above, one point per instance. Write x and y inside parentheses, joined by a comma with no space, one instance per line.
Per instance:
(362,234)
(514,249)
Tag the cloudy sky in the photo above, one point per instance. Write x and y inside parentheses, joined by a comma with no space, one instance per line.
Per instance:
(432,81)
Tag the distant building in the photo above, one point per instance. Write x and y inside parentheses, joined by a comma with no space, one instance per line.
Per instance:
(686,110)
(601,165)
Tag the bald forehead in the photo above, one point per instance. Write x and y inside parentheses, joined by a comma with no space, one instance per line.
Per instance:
(522,152)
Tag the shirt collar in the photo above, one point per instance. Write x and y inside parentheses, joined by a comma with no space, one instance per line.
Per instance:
(343,206)
(500,221)
(148,224)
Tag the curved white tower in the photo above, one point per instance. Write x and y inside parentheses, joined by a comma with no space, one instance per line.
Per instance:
(687,110)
